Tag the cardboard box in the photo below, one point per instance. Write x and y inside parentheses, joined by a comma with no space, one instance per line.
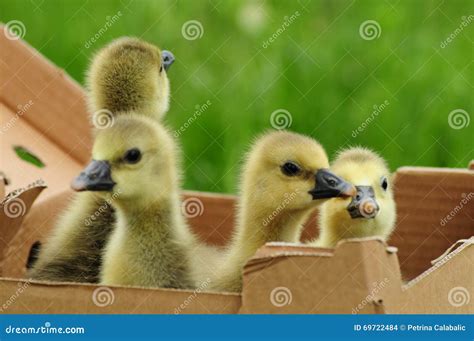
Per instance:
(435,212)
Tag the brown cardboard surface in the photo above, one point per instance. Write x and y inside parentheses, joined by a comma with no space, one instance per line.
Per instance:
(445,288)
(58,108)
(313,280)
(48,298)
(425,196)
(13,208)
(60,167)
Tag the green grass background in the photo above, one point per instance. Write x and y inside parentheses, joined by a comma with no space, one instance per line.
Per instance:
(319,69)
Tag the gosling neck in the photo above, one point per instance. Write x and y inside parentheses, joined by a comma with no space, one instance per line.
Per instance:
(255,228)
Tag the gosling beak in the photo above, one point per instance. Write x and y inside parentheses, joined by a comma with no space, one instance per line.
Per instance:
(168,59)
(363,205)
(95,177)
(329,185)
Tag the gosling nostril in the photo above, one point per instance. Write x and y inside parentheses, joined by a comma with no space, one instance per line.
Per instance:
(368,209)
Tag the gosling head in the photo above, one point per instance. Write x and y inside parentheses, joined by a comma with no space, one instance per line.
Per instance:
(372,211)
(130,74)
(134,160)
(290,171)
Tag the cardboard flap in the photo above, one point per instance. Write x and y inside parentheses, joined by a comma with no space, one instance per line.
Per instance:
(446,287)
(2,186)
(435,208)
(36,297)
(292,279)
(14,208)
(56,103)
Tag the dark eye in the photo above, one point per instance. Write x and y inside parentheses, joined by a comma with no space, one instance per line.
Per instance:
(132,156)
(161,68)
(384,183)
(290,169)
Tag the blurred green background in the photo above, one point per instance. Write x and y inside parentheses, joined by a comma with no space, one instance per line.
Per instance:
(319,68)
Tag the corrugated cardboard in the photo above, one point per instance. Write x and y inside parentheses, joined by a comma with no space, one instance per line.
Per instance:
(358,276)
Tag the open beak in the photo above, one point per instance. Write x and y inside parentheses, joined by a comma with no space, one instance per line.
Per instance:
(168,59)
(363,205)
(95,177)
(329,185)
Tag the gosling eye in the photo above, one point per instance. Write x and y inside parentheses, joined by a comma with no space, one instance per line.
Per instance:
(132,156)
(384,183)
(290,169)
(161,68)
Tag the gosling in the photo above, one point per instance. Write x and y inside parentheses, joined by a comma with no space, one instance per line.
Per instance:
(130,74)
(148,244)
(284,178)
(372,212)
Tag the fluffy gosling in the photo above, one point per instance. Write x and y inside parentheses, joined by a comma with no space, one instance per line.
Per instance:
(130,75)
(371,213)
(284,178)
